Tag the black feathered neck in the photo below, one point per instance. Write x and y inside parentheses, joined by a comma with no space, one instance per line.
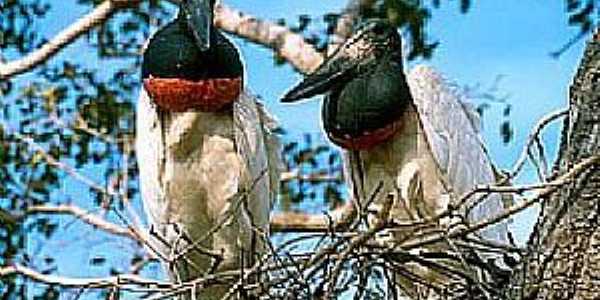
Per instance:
(173,53)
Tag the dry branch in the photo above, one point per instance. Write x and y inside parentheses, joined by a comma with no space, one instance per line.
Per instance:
(85,216)
(304,222)
(61,40)
(286,44)
(533,136)
(124,281)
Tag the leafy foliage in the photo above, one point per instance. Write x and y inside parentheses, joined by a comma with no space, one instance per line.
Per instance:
(17,30)
(68,118)
(583,14)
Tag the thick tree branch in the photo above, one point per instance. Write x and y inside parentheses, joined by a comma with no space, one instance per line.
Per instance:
(288,45)
(304,222)
(562,260)
(346,22)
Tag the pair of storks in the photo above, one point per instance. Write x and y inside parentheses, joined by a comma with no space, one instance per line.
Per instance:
(208,156)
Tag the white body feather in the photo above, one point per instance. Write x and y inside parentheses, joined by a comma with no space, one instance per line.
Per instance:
(208,177)
(436,157)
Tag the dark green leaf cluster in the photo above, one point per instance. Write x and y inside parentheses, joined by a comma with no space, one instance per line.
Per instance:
(123,35)
(17,24)
(583,14)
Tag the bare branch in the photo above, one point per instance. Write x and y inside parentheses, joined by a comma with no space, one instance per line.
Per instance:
(288,45)
(304,222)
(64,38)
(85,216)
(125,281)
(312,177)
(542,123)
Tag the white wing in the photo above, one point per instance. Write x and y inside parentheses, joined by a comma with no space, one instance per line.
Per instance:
(259,145)
(452,130)
(435,157)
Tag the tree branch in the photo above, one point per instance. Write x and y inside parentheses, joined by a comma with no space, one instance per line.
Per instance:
(85,216)
(64,38)
(288,45)
(118,281)
(346,22)
(541,124)
(305,222)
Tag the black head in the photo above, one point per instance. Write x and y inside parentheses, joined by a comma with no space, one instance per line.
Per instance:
(182,50)
(370,42)
(374,37)
(198,15)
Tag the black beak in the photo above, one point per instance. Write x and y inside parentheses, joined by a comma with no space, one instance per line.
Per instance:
(199,17)
(329,75)
(334,72)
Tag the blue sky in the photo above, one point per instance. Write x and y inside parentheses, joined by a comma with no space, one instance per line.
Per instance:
(511,38)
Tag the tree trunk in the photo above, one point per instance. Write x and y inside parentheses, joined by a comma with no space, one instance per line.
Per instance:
(563,258)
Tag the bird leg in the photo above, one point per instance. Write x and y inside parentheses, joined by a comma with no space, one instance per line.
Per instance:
(410,192)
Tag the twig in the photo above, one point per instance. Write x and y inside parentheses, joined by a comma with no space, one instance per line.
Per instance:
(303,222)
(541,124)
(85,216)
(312,177)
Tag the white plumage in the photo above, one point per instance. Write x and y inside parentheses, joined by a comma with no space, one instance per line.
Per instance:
(209,177)
(436,157)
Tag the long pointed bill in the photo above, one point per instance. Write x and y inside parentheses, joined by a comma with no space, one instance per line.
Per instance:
(199,17)
(320,82)
(333,72)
